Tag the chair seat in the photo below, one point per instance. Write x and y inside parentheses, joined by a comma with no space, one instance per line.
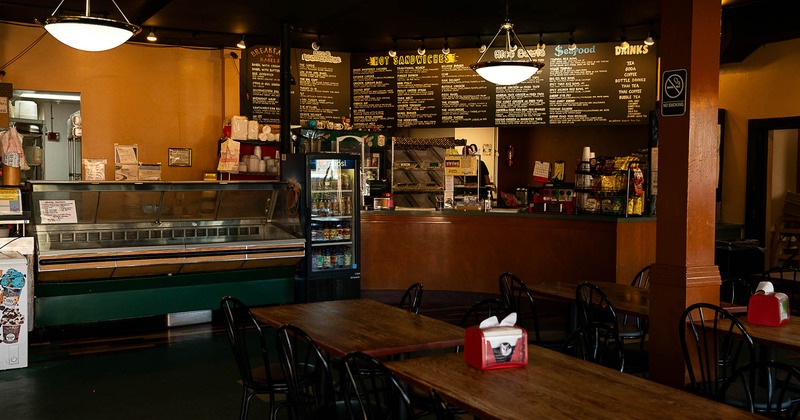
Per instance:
(260,383)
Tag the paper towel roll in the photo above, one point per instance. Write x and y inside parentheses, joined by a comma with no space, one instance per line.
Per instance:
(766,287)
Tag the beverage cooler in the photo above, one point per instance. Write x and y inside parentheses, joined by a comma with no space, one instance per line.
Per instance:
(373,147)
(331,196)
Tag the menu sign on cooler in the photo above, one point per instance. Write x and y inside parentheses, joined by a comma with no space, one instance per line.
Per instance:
(323,80)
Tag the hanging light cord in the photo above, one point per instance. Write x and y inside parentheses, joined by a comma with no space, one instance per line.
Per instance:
(25,51)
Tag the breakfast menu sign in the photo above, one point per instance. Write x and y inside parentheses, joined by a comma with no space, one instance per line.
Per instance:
(593,84)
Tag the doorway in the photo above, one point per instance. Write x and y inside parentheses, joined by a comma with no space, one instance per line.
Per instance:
(47,122)
(772,155)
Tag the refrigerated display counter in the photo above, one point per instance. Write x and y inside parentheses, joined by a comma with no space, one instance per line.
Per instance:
(112,250)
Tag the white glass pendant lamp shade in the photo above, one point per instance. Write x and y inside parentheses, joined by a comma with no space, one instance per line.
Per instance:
(506,72)
(89,33)
(516,65)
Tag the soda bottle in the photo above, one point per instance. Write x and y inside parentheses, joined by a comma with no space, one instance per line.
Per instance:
(339,258)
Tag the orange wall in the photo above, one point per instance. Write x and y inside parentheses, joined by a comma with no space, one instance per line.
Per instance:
(765,85)
(175,97)
(157,97)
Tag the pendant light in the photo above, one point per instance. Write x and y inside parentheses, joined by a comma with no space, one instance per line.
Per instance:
(509,72)
(90,33)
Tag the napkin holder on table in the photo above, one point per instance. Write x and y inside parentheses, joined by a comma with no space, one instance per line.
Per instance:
(767,307)
(496,345)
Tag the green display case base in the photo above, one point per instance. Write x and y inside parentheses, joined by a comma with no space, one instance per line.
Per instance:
(78,302)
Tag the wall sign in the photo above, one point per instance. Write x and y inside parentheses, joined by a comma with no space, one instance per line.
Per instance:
(593,84)
(673,93)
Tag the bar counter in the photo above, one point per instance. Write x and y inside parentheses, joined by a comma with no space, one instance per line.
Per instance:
(467,251)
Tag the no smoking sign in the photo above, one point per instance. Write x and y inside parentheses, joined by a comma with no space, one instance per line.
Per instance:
(673,93)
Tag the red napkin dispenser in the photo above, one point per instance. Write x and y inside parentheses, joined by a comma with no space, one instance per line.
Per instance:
(496,347)
(770,309)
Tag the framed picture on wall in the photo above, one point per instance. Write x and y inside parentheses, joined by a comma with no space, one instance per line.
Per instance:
(180,157)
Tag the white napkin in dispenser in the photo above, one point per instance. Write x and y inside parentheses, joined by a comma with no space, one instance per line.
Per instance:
(496,345)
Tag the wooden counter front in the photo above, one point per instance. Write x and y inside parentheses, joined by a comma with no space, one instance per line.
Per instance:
(467,251)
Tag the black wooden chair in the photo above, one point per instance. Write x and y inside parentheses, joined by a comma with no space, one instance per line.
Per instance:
(412,298)
(714,344)
(371,390)
(481,310)
(633,327)
(308,374)
(440,407)
(735,291)
(516,297)
(767,388)
(266,378)
(597,342)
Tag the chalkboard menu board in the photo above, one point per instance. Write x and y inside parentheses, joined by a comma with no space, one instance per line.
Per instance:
(590,85)
(323,86)
(262,83)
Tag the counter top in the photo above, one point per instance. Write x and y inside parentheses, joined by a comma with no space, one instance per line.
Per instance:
(506,212)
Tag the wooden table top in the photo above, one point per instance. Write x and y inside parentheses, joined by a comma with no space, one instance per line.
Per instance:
(343,326)
(554,386)
(786,336)
(625,298)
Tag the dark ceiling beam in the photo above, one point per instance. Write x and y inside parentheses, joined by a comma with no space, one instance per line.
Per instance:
(149,9)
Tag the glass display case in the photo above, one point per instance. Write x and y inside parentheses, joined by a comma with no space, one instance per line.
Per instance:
(115,250)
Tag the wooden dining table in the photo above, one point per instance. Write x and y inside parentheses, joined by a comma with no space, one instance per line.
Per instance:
(626,299)
(343,326)
(786,336)
(554,386)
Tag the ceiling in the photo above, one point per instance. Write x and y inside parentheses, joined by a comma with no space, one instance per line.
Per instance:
(377,25)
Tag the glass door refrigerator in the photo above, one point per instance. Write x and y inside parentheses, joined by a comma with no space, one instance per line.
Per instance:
(330,199)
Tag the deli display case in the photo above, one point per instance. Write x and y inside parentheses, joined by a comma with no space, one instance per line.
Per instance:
(110,250)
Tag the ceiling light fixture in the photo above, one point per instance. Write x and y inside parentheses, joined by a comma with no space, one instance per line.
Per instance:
(316,45)
(421,50)
(241,45)
(508,72)
(540,45)
(152,36)
(393,51)
(446,48)
(623,40)
(572,44)
(89,33)
(649,40)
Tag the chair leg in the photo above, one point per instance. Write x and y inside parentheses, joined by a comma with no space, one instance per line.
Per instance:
(245,403)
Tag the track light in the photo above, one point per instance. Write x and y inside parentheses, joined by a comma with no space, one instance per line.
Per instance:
(241,45)
(572,44)
(421,50)
(446,48)
(152,36)
(540,45)
(623,40)
(316,45)
(649,39)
